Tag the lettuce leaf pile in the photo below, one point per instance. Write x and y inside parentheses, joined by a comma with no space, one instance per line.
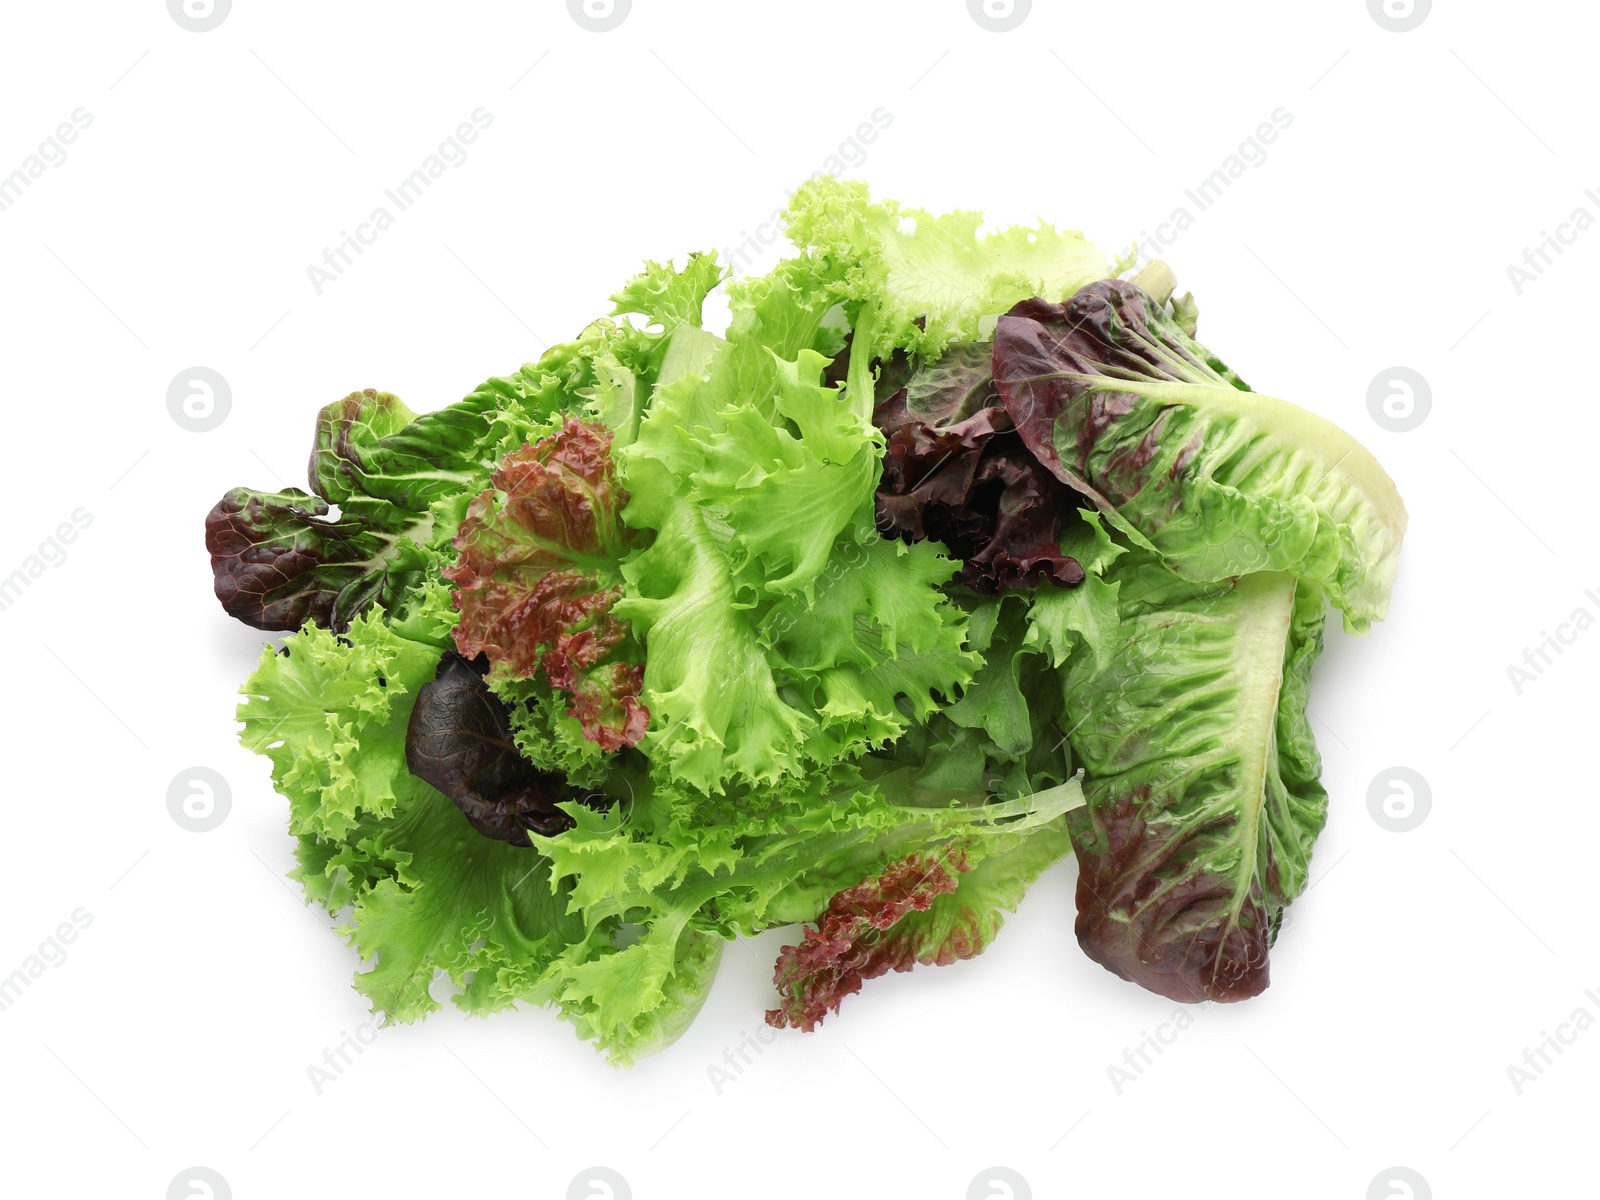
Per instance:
(952,555)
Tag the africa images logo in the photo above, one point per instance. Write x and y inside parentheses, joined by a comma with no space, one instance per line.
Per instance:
(999,16)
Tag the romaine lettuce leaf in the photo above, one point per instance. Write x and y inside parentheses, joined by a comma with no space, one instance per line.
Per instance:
(278,559)
(371,452)
(1170,444)
(1203,800)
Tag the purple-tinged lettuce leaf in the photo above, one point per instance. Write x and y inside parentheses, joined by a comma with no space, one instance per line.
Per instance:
(278,559)
(1112,395)
(1203,799)
(955,471)
(853,940)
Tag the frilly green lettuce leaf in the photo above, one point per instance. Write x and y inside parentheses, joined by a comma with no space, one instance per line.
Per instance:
(761,507)
(423,893)
(635,1001)
(869,654)
(787,483)
(335,735)
(713,699)
(932,280)
(759,694)
(667,297)
(1062,619)
(549,738)
(773,863)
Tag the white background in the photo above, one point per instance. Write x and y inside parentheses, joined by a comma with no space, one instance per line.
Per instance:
(1377,233)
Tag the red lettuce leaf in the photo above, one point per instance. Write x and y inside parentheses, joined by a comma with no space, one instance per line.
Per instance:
(537,579)
(856,939)
(955,471)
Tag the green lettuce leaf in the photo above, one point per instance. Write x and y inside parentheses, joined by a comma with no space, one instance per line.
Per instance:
(676,885)
(781,635)
(336,737)
(1084,617)
(667,297)
(931,280)
(422,891)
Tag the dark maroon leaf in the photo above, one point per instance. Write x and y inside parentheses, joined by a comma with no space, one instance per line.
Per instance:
(955,471)
(459,740)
